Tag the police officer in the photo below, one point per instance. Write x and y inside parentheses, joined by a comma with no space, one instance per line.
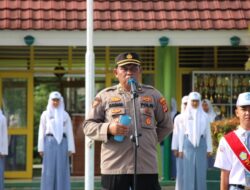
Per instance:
(154,124)
(195,144)
(233,151)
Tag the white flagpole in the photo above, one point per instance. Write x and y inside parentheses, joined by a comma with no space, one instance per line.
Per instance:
(90,88)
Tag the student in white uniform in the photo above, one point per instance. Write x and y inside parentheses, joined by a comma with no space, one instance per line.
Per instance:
(233,152)
(3,146)
(178,124)
(174,112)
(55,144)
(208,108)
(195,144)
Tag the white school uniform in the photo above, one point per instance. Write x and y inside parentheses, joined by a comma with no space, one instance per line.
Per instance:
(46,127)
(227,160)
(178,124)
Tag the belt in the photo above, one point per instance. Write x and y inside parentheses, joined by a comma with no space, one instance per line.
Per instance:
(238,186)
(187,135)
(51,135)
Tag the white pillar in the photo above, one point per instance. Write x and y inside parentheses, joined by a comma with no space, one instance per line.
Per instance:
(90,88)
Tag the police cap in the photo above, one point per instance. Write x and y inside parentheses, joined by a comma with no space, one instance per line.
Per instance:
(127,58)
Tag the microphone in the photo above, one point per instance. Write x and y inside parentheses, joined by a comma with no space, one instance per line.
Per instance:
(133,84)
(124,120)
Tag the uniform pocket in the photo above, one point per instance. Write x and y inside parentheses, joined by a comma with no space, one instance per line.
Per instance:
(147,118)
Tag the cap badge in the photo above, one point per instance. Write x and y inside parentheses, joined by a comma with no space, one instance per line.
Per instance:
(129,56)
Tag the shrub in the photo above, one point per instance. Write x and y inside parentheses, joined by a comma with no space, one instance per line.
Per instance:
(222,127)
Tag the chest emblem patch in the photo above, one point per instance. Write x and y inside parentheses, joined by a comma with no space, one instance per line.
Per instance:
(115,99)
(116,110)
(148,121)
(147,99)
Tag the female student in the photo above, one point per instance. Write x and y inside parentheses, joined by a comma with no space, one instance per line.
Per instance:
(55,144)
(178,124)
(195,144)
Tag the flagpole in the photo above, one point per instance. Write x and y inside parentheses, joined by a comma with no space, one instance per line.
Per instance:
(89,89)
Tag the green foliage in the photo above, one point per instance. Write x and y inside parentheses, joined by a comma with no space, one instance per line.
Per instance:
(220,128)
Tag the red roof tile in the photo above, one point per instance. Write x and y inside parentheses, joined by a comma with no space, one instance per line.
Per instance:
(125,14)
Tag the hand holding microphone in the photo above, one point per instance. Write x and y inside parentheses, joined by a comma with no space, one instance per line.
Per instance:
(119,128)
(125,120)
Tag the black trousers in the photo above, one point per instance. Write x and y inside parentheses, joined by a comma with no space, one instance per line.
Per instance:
(125,182)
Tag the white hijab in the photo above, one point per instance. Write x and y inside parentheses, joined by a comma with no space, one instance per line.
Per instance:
(194,119)
(2,117)
(57,114)
(211,113)
(183,101)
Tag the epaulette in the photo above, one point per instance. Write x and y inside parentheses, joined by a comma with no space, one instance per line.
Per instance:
(147,86)
(109,89)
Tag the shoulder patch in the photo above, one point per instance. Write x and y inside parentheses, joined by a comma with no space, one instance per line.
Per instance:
(163,103)
(96,102)
(109,88)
